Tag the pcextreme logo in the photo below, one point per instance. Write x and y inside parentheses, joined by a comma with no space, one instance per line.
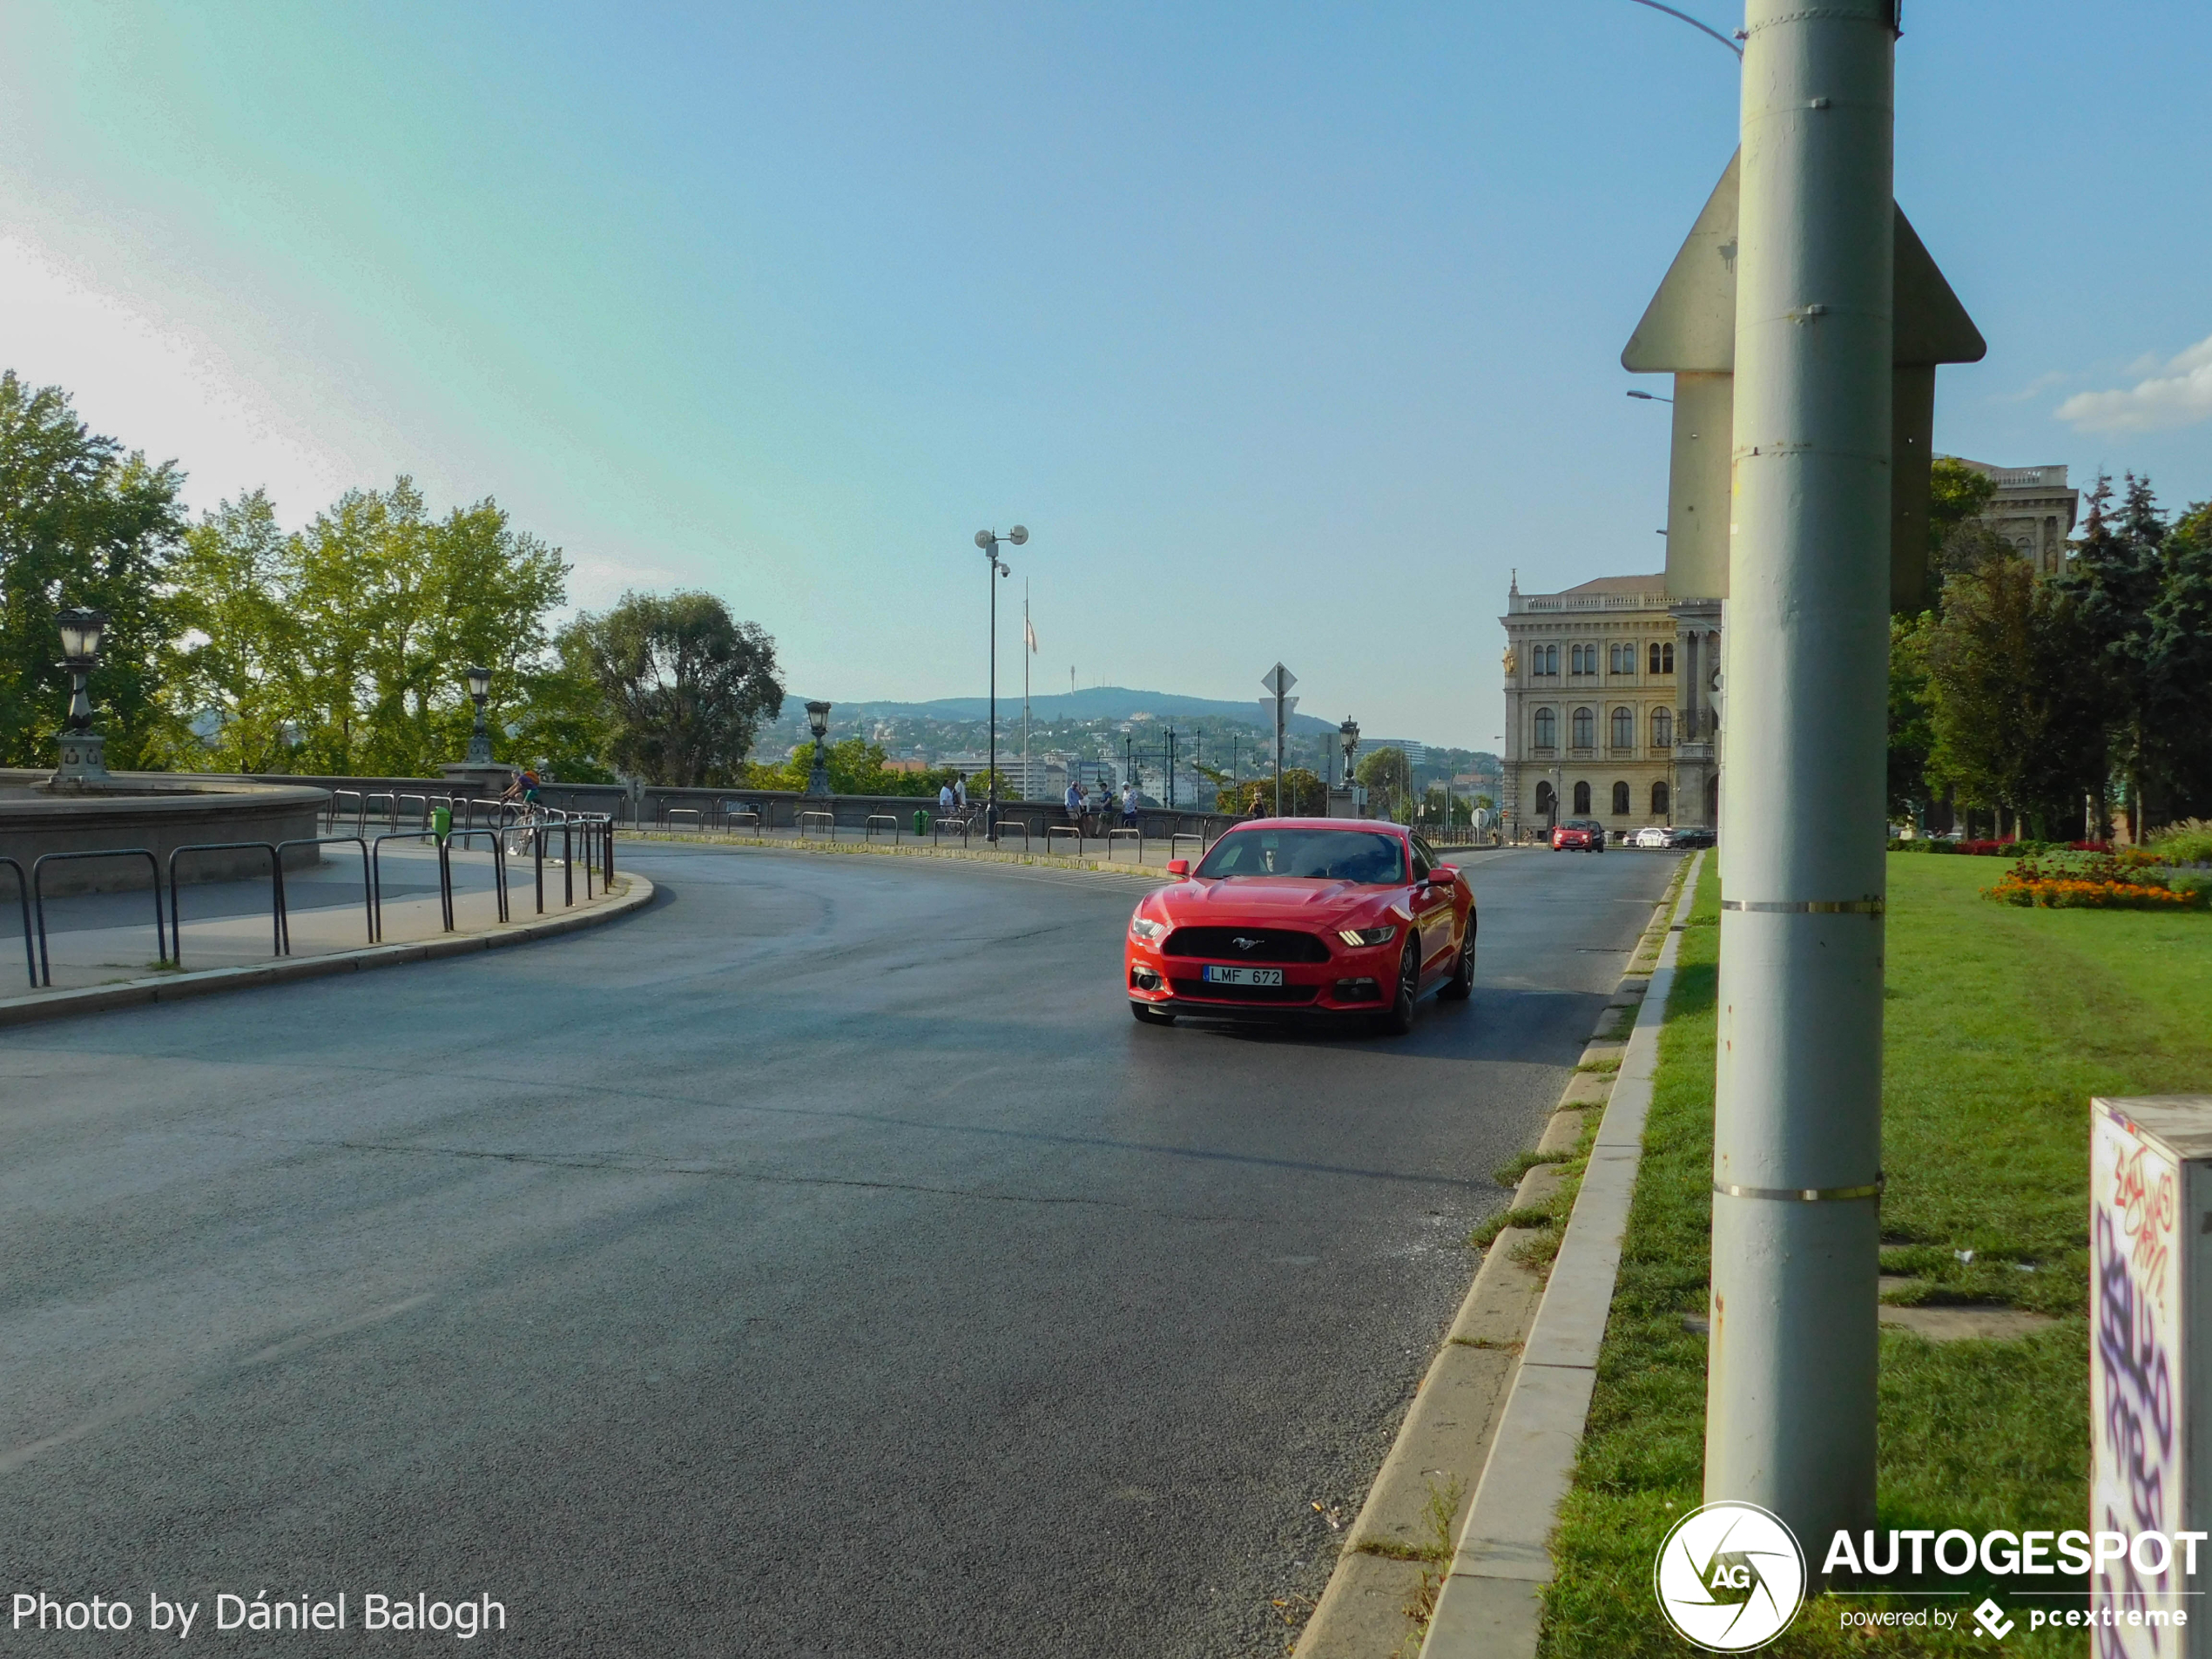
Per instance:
(1729,1577)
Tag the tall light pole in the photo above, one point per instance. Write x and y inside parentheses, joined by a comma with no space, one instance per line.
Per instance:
(1797,1142)
(989,541)
(818,778)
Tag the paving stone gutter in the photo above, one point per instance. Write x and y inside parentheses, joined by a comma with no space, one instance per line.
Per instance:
(1499,1413)
(633,892)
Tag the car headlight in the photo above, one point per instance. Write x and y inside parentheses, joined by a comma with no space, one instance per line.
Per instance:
(1150,932)
(1367,935)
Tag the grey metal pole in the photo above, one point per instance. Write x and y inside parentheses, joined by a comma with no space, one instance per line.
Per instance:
(991,811)
(1797,1153)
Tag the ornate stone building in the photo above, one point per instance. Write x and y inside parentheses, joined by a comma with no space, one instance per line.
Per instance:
(1609,706)
(2034,509)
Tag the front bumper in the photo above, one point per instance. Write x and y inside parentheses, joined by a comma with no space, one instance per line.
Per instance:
(1352,981)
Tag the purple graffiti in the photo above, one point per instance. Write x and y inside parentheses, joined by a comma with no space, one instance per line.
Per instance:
(2138,1428)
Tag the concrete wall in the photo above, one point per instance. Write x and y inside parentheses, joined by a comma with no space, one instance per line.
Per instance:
(161,812)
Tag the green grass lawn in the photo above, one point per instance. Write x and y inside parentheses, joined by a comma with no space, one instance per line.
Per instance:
(2001,1023)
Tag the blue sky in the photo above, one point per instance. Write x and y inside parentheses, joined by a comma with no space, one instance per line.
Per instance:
(1288,330)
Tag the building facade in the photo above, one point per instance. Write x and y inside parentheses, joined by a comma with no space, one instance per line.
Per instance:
(2034,509)
(1610,710)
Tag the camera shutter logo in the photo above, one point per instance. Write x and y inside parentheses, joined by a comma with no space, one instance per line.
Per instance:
(1729,1577)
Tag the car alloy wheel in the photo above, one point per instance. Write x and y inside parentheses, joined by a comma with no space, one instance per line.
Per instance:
(1460,986)
(1399,1020)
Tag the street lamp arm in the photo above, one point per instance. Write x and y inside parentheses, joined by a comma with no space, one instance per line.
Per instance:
(1694,23)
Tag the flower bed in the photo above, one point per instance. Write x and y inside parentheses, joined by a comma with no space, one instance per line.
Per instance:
(2128,879)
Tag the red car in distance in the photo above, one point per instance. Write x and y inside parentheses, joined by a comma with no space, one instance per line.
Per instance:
(1578,835)
(1303,915)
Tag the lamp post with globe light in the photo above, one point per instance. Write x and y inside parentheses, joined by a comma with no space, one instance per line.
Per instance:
(479,738)
(818,780)
(1348,735)
(83,761)
(990,541)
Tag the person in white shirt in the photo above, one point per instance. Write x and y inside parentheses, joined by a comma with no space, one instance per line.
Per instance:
(959,791)
(944,798)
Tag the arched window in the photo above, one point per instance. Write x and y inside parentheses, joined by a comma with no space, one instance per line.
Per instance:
(1546,802)
(1547,731)
(1581,800)
(1620,801)
(1549,665)
(1585,729)
(1659,799)
(1662,728)
(1663,658)
(1582,659)
(1624,729)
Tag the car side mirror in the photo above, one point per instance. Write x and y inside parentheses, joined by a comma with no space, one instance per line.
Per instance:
(1179,866)
(1444,875)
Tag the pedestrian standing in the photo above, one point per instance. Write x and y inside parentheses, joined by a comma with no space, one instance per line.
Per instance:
(1128,806)
(945,798)
(959,791)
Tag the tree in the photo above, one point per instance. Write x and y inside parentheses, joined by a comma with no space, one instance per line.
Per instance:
(856,767)
(1303,795)
(687,685)
(1388,778)
(2114,579)
(81,523)
(2178,663)
(1912,731)
(2014,725)
(341,649)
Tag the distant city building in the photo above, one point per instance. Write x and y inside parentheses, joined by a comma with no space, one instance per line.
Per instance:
(1609,706)
(1095,774)
(908,767)
(2035,509)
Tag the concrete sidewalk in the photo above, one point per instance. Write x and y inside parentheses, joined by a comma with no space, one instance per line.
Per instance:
(101,949)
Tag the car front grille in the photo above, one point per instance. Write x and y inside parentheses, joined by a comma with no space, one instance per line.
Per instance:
(1262,945)
(1199,990)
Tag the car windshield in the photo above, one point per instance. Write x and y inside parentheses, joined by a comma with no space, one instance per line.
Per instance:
(1583,824)
(1335,855)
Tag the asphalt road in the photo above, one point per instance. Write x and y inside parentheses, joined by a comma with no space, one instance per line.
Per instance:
(820,1261)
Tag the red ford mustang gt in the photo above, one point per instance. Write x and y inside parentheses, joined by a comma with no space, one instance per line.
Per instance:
(1289,916)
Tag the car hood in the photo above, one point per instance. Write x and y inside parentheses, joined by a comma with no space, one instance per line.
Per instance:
(1287,899)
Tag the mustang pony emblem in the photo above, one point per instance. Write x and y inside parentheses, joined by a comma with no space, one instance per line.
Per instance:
(1242,943)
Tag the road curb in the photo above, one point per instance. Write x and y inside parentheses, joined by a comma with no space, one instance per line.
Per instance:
(1396,1552)
(1491,1603)
(637,892)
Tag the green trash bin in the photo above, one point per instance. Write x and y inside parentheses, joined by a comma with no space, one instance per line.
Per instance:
(442,821)
(922,824)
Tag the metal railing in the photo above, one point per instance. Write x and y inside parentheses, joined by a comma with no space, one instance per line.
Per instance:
(1180,836)
(368,911)
(1015,827)
(729,820)
(668,815)
(280,929)
(827,820)
(867,830)
(1075,830)
(1136,835)
(23,899)
(38,899)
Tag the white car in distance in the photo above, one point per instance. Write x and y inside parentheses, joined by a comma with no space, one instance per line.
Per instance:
(1652,836)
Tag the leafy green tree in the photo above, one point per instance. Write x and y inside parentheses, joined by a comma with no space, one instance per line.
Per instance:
(687,685)
(82,523)
(233,687)
(1911,729)
(2114,579)
(1388,778)
(2178,663)
(856,767)
(1303,795)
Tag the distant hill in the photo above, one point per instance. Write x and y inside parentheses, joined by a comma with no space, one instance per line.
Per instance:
(1092,703)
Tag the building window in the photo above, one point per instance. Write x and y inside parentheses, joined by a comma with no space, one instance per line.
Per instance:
(1546,730)
(1585,728)
(1659,801)
(1662,728)
(1620,801)
(1663,658)
(1548,661)
(1582,659)
(1624,729)
(1624,659)
(1581,800)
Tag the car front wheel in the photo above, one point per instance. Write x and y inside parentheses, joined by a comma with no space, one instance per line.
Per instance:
(1460,986)
(1399,1020)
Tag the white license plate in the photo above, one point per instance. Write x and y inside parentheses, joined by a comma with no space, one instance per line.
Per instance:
(1243,976)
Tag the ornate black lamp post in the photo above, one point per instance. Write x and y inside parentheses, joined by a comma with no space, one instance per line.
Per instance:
(989,541)
(480,739)
(818,781)
(82,762)
(1348,735)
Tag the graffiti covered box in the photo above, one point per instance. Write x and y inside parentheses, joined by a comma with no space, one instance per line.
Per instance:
(2150,1359)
